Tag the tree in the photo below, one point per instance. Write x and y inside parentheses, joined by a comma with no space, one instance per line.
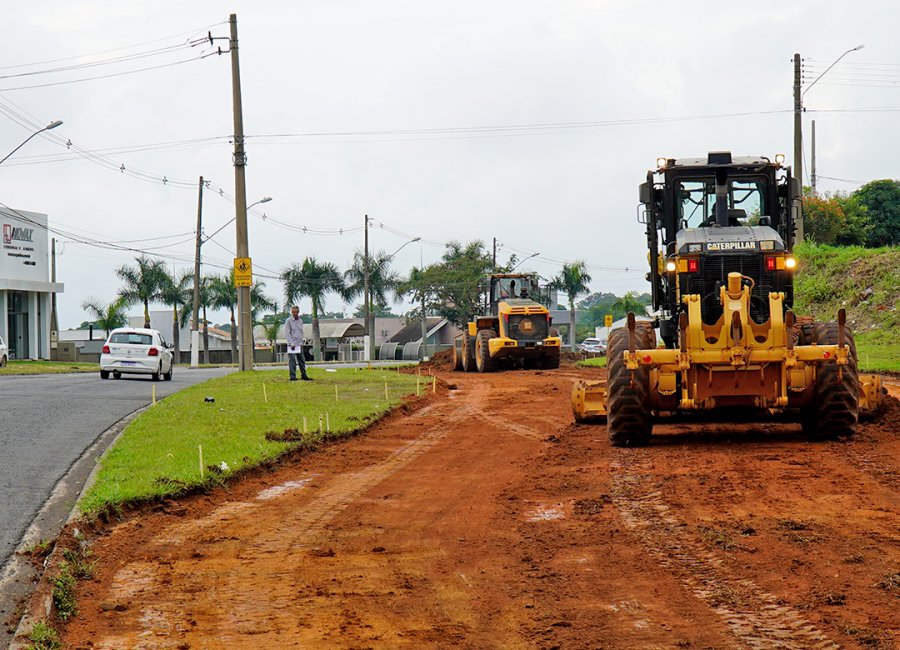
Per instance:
(224,295)
(881,200)
(107,316)
(383,282)
(630,303)
(573,281)
(178,293)
(142,283)
(823,218)
(453,287)
(313,280)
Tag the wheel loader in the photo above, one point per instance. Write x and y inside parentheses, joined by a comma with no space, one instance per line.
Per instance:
(515,331)
(724,340)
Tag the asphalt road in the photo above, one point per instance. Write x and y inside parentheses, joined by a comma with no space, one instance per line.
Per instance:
(47,422)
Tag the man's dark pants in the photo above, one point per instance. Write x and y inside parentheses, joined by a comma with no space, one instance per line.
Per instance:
(293,361)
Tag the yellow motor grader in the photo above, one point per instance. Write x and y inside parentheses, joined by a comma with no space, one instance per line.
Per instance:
(720,232)
(514,332)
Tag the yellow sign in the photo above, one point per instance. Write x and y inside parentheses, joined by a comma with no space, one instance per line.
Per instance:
(243,272)
(607,320)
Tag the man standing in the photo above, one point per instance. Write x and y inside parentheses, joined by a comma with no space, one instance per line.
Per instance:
(293,332)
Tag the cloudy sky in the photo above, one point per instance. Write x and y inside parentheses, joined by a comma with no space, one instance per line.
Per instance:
(531,122)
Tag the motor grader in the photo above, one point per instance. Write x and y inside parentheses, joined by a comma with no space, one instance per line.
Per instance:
(720,231)
(514,332)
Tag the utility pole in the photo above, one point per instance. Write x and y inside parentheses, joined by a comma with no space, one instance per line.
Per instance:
(245,325)
(495,255)
(54,326)
(798,141)
(424,329)
(370,335)
(812,159)
(195,315)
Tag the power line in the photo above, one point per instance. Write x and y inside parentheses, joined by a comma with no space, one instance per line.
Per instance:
(105,76)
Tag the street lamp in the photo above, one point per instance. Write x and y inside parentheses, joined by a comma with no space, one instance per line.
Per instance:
(523,261)
(798,122)
(370,314)
(265,199)
(52,125)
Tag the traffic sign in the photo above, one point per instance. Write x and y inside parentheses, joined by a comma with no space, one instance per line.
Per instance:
(607,320)
(243,272)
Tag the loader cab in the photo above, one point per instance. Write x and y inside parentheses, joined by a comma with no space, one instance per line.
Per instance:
(709,216)
(512,286)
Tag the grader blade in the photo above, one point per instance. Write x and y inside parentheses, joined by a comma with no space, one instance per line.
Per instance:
(589,401)
(871,395)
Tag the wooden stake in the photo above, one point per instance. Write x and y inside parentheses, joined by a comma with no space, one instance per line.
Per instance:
(327,423)
(320,423)
(200,452)
(386,391)
(153,395)
(434,384)
(335,393)
(265,394)
(417,385)
(304,424)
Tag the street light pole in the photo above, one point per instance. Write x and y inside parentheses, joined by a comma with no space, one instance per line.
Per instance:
(52,125)
(367,284)
(798,123)
(523,261)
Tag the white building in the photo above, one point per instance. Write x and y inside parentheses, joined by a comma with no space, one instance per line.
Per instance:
(25,286)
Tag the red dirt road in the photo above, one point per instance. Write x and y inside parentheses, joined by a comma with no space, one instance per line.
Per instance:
(487,519)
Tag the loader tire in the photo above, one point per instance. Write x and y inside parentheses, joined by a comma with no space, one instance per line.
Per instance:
(483,359)
(457,356)
(468,359)
(834,410)
(629,419)
(550,362)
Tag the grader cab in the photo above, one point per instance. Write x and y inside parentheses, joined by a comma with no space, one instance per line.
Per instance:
(720,231)
(514,332)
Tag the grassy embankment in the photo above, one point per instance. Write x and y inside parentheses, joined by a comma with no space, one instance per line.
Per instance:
(24,367)
(158,454)
(865,282)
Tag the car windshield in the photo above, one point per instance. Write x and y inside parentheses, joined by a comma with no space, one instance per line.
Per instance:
(132,338)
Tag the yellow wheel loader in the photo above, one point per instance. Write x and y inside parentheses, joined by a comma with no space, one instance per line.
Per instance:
(515,331)
(720,231)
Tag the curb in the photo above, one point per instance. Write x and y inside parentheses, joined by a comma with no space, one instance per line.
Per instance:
(19,576)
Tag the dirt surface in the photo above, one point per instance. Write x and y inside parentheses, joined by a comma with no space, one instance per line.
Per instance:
(486,518)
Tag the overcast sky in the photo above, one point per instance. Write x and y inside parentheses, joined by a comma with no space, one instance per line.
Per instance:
(356,108)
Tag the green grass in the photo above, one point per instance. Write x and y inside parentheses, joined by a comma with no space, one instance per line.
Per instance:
(44,637)
(157,454)
(877,357)
(46,367)
(594,362)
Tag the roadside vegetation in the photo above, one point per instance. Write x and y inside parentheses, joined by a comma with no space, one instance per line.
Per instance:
(25,367)
(593,362)
(865,282)
(238,421)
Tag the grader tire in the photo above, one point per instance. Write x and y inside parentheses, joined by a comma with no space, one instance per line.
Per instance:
(483,358)
(468,360)
(834,410)
(457,357)
(629,419)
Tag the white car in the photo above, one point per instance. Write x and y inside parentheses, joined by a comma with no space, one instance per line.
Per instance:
(4,352)
(138,351)
(593,346)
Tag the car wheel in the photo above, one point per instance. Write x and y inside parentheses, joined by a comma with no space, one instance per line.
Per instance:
(3,361)
(104,374)
(117,374)
(168,375)
(155,375)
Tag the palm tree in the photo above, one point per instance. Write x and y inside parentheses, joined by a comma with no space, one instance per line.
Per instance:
(630,303)
(313,280)
(205,301)
(107,316)
(224,295)
(178,292)
(142,282)
(573,280)
(382,280)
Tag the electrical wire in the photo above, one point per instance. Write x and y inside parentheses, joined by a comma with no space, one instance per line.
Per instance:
(105,76)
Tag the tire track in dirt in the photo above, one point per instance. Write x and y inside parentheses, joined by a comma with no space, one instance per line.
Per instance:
(299,530)
(753,615)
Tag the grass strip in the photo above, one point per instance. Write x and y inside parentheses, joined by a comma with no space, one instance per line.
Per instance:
(25,367)
(593,362)
(158,455)
(877,357)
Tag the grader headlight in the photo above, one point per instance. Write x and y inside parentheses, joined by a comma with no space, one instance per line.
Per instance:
(790,263)
(671,266)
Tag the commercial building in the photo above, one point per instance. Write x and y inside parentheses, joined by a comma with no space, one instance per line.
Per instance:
(25,286)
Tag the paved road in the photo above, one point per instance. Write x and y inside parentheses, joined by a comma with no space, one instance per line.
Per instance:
(46,423)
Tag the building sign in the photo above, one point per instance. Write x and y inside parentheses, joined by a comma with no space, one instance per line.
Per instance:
(24,250)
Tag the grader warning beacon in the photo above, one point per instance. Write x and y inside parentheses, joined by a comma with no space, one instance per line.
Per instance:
(720,231)
(514,332)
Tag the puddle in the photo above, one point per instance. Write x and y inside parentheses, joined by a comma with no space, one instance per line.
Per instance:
(284,488)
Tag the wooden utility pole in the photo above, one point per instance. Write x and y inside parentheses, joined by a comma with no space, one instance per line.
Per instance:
(370,335)
(54,325)
(245,324)
(798,141)
(812,158)
(195,314)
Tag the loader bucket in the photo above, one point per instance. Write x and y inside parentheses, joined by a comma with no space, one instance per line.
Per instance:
(589,401)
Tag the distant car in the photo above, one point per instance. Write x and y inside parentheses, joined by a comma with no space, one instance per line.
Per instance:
(138,351)
(4,352)
(592,346)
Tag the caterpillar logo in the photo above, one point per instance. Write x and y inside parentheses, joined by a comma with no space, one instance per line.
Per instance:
(731,246)
(16,233)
